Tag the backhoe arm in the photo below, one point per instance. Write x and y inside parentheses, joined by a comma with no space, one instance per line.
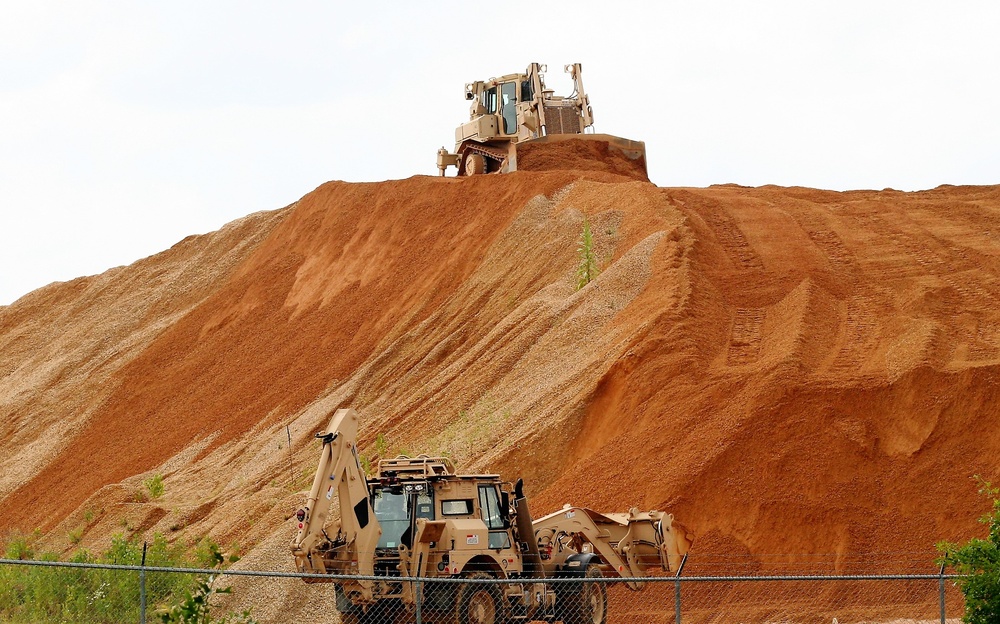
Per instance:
(351,550)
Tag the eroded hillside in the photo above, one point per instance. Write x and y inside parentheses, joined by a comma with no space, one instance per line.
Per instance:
(786,370)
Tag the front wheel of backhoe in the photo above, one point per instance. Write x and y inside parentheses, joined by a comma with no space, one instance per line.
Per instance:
(479,603)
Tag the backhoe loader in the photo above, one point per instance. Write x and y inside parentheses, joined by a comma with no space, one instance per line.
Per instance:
(417,520)
(518,108)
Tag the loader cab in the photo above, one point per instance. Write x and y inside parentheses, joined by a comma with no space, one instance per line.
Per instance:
(495,516)
(397,508)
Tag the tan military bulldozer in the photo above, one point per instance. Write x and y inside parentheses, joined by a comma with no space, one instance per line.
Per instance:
(516,109)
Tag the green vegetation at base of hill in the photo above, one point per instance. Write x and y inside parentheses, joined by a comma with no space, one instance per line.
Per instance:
(39,594)
(979,560)
(196,605)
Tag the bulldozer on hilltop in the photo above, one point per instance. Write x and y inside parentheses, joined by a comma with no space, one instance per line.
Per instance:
(516,109)
(416,523)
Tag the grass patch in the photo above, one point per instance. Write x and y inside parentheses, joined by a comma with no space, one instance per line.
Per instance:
(475,428)
(35,594)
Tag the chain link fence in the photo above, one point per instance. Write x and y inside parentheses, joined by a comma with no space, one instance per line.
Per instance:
(688,598)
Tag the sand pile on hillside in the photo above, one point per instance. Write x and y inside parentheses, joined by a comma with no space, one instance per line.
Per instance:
(786,370)
(579,155)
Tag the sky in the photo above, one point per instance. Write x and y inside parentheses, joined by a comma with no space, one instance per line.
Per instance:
(127,126)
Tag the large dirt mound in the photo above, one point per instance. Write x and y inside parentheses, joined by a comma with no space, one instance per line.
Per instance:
(786,370)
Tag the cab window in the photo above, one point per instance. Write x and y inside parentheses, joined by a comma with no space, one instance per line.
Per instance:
(393,516)
(508,101)
(425,506)
(395,510)
(461,507)
(499,540)
(489,504)
(490,101)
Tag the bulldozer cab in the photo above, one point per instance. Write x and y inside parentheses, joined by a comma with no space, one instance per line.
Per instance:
(500,98)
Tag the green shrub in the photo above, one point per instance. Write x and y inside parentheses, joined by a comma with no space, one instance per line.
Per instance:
(587,269)
(20,547)
(75,535)
(979,560)
(381,445)
(154,485)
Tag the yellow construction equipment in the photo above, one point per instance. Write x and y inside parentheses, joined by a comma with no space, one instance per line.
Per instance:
(518,108)
(417,518)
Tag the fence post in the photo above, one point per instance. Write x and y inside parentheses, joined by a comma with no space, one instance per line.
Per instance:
(142,586)
(417,596)
(677,590)
(941,590)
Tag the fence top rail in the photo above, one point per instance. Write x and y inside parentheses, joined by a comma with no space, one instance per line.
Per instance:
(340,577)
(819,577)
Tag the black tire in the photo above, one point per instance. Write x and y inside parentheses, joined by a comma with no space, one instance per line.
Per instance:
(479,603)
(584,603)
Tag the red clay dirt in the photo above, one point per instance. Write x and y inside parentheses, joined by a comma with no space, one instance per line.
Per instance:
(787,370)
(579,155)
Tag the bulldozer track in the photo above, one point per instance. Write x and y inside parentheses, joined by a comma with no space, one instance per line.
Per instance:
(492,153)
(734,242)
(745,336)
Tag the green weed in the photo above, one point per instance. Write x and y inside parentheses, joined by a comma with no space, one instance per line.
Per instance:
(154,485)
(587,268)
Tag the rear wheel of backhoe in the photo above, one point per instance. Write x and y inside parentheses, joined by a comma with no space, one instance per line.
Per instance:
(475,163)
(586,603)
(479,603)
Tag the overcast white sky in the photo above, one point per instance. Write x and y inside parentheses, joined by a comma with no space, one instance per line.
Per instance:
(126,126)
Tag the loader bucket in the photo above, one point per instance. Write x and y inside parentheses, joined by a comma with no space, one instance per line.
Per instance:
(654,539)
